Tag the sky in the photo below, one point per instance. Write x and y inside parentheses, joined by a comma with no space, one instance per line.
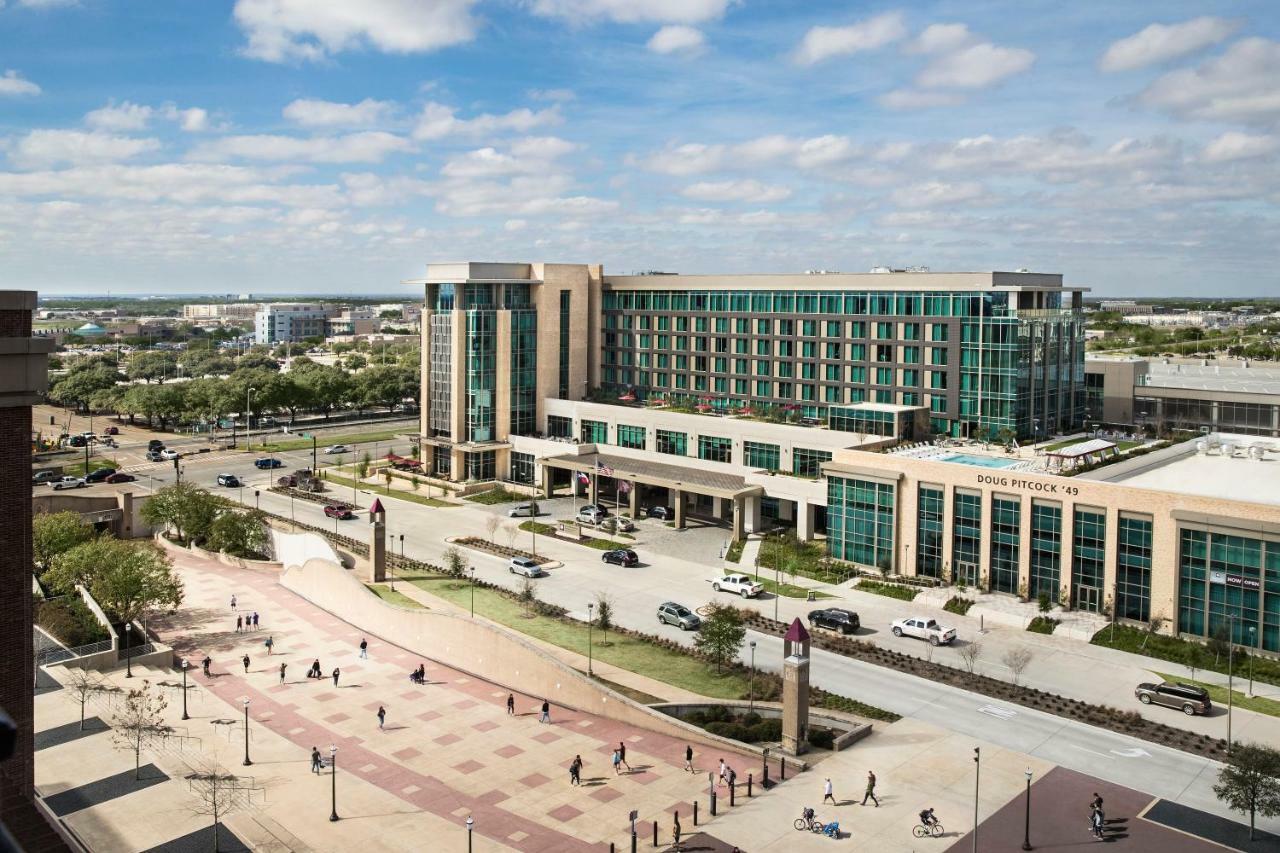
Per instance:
(338,146)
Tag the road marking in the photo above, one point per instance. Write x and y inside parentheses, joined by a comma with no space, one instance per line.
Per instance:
(1090,751)
(998,713)
(1133,752)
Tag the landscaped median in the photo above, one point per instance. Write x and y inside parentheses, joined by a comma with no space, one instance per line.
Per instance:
(599,543)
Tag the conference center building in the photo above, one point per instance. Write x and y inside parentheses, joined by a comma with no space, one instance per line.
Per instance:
(859,409)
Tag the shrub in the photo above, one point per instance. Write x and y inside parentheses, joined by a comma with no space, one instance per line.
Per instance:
(1045,602)
(733,731)
(70,621)
(1042,625)
(890,590)
(822,738)
(958,605)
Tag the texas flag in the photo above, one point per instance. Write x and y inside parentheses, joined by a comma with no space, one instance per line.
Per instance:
(583,478)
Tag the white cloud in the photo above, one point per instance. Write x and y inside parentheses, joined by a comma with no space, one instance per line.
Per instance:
(366,147)
(13,83)
(123,117)
(824,151)
(529,156)
(1234,145)
(692,158)
(677,38)
(1061,156)
(1162,42)
(941,38)
(285,30)
(44,148)
(749,190)
(1239,85)
(975,67)
(633,11)
(935,193)
(552,94)
(438,121)
(826,42)
(365,189)
(914,99)
(522,196)
(515,225)
(192,119)
(315,113)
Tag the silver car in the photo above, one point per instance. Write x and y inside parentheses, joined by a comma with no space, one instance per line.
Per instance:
(523,511)
(682,617)
(525,566)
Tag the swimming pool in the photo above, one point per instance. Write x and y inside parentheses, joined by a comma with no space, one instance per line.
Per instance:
(979,461)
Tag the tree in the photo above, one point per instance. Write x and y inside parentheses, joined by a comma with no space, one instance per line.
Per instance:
(187,508)
(1194,658)
(55,533)
(387,475)
(455,563)
(1250,782)
(140,723)
(82,380)
(217,793)
(327,387)
(528,596)
(1017,659)
(354,362)
(238,533)
(362,467)
(83,685)
(126,578)
(153,366)
(721,634)
(256,361)
(969,653)
(604,615)
(491,525)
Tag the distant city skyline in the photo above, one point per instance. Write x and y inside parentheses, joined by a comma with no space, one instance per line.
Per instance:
(283,147)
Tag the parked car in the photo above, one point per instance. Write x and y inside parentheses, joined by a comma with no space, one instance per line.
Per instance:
(600,508)
(524,511)
(99,475)
(154,455)
(1191,700)
(111,431)
(120,477)
(231,481)
(835,619)
(682,617)
(525,566)
(108,442)
(621,557)
(155,444)
(268,462)
(337,448)
(341,511)
(41,477)
(665,513)
(76,441)
(741,585)
(68,483)
(589,516)
(169,455)
(618,524)
(925,629)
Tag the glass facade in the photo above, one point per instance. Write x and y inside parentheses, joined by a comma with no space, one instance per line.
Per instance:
(669,441)
(714,448)
(1222,575)
(860,521)
(440,375)
(631,436)
(966,537)
(565,299)
(480,465)
(808,463)
(559,426)
(929,542)
(1133,569)
(1006,515)
(524,367)
(1088,558)
(758,455)
(594,432)
(1046,560)
(864,421)
(522,467)
(481,375)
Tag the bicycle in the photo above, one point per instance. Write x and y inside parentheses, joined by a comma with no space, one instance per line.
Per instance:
(812,825)
(920,830)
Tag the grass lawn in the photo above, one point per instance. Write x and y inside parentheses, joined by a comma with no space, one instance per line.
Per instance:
(538,527)
(630,692)
(393,597)
(790,590)
(801,558)
(734,554)
(326,440)
(78,469)
(629,653)
(890,590)
(330,477)
(1240,700)
(1175,649)
(494,496)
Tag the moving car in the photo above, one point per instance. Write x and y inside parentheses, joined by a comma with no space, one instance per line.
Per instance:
(154,455)
(525,566)
(155,444)
(682,617)
(337,448)
(741,585)
(925,629)
(268,463)
(169,455)
(835,619)
(524,511)
(99,475)
(341,511)
(665,513)
(231,481)
(120,477)
(621,557)
(43,477)
(1190,699)
(68,483)
(111,431)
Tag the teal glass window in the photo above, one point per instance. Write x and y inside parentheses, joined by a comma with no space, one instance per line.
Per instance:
(1046,548)
(966,537)
(671,442)
(631,436)
(758,455)
(1133,569)
(808,463)
(715,449)
(929,542)
(860,521)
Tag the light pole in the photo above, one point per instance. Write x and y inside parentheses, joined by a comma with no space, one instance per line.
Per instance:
(977,769)
(1231,671)
(128,645)
(248,413)
(257,503)
(473,592)
(751,693)
(1251,650)
(590,622)
(333,780)
(1026,831)
(185,664)
(247,762)
(470,824)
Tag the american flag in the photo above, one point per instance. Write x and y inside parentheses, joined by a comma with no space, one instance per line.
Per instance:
(603,469)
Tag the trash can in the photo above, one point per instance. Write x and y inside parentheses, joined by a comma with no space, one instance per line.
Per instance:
(812,596)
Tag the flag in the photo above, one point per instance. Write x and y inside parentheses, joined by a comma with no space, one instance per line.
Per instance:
(583,478)
(624,486)
(603,469)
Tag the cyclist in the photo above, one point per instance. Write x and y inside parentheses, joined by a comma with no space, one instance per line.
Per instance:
(927,818)
(807,816)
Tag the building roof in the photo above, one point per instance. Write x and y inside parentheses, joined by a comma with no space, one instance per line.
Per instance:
(796,633)
(1084,448)
(657,473)
(1214,474)
(1248,380)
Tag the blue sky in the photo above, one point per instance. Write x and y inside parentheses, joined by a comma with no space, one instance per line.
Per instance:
(334,146)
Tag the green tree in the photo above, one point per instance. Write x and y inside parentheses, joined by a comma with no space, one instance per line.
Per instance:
(720,635)
(1250,782)
(140,723)
(257,361)
(138,578)
(80,383)
(327,387)
(238,533)
(187,508)
(604,616)
(55,533)
(1194,657)
(362,467)
(154,366)
(455,563)
(355,362)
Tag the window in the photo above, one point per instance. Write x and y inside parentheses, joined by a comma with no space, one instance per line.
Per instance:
(910,379)
(595,432)
(764,327)
(860,521)
(673,443)
(833,328)
(763,347)
(1225,575)
(480,466)
(938,332)
(714,448)
(521,467)
(565,297)
(631,436)
(911,331)
(833,351)
(966,537)
(756,455)
(1133,569)
(884,331)
(858,329)
(1006,514)
(809,328)
(559,427)
(1046,546)
(929,531)
(937,355)
(909,355)
(808,463)
(1088,555)
(884,376)
(764,389)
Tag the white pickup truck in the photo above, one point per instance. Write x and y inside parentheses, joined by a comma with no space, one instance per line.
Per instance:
(925,629)
(741,585)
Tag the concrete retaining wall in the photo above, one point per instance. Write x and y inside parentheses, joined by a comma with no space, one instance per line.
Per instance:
(225,559)
(851,729)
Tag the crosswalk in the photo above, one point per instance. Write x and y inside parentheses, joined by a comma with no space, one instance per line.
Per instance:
(212,456)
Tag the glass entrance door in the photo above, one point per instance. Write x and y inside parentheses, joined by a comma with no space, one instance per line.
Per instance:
(1089,598)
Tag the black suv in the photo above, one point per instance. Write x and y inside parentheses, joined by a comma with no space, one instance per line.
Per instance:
(836,619)
(1191,700)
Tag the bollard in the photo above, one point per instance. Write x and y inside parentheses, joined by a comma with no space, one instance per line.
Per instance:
(748,785)
(655,833)
(695,812)
(633,838)
(981,618)
(764,781)
(782,770)
(611,850)
(713,803)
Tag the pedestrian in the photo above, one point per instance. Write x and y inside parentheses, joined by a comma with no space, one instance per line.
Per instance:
(1096,803)
(616,762)
(675,829)
(233,602)
(723,772)
(1096,824)
(364,647)
(268,642)
(245,660)
(382,716)
(282,666)
(622,754)
(239,623)
(871,790)
(205,663)
(511,704)
(688,758)
(315,669)
(316,761)
(732,778)
(575,771)
(335,676)
(255,620)
(826,792)
(546,712)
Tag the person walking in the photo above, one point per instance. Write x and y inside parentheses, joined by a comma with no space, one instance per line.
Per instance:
(675,830)
(233,602)
(282,666)
(335,676)
(1097,822)
(269,642)
(382,716)
(622,755)
(688,758)
(871,790)
(546,712)
(316,761)
(239,623)
(205,664)
(616,762)
(826,792)
(245,660)
(732,778)
(511,704)
(255,620)
(575,771)
(723,772)
(364,647)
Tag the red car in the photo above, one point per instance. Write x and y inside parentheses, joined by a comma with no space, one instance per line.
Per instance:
(121,477)
(341,511)
(111,431)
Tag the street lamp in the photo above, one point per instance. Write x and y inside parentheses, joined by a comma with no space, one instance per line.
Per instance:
(333,780)
(470,824)
(1251,647)
(751,695)
(977,768)
(185,664)
(248,418)
(1231,671)
(1026,832)
(247,762)
(128,644)
(590,622)
(473,591)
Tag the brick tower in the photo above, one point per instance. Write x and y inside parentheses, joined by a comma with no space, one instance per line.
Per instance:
(795,689)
